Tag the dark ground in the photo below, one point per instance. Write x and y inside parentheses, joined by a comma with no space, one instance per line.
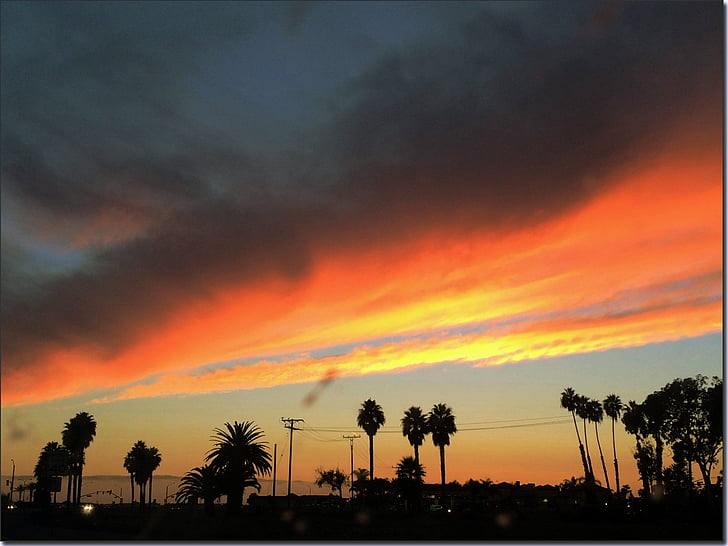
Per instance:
(124,523)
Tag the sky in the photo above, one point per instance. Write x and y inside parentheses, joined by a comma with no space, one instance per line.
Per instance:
(220,211)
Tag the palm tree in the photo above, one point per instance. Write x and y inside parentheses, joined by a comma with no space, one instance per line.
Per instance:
(130,464)
(409,468)
(613,408)
(568,401)
(334,478)
(441,423)
(77,435)
(596,415)
(51,453)
(202,482)
(414,427)
(238,456)
(154,458)
(582,412)
(370,418)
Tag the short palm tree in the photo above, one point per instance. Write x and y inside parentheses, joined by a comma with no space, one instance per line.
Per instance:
(238,456)
(596,415)
(582,412)
(77,435)
(613,408)
(568,402)
(202,482)
(441,424)
(370,418)
(409,469)
(334,478)
(414,427)
(50,454)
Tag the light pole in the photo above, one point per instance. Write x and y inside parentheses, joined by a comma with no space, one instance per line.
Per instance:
(12,481)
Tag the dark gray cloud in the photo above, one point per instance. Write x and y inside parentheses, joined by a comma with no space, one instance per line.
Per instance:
(498,125)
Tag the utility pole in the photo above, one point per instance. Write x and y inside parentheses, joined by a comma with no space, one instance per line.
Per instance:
(291,426)
(351,447)
(275,460)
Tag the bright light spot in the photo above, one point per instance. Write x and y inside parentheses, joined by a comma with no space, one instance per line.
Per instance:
(88,508)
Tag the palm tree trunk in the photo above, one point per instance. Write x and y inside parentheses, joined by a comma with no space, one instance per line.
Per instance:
(601,456)
(131,479)
(68,493)
(142,496)
(616,465)
(417,454)
(150,487)
(581,448)
(658,459)
(588,455)
(442,464)
(371,457)
(80,480)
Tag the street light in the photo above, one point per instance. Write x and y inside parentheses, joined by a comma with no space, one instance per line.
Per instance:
(12,481)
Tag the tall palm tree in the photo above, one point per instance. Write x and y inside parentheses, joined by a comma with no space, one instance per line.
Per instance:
(582,411)
(202,482)
(239,455)
(441,424)
(568,402)
(77,435)
(154,459)
(613,408)
(370,418)
(414,427)
(130,464)
(596,415)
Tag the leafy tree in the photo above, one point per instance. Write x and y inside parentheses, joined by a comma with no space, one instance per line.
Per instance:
(694,420)
(202,482)
(414,427)
(77,435)
(370,418)
(646,464)
(569,401)
(613,408)
(441,424)
(238,456)
(334,478)
(596,415)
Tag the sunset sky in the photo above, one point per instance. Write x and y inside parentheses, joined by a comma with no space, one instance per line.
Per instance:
(209,208)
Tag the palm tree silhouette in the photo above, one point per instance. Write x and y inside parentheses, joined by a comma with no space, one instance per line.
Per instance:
(130,464)
(596,415)
(568,402)
(441,424)
(153,460)
(202,482)
(613,408)
(414,427)
(582,412)
(238,456)
(77,435)
(409,468)
(370,418)
(51,452)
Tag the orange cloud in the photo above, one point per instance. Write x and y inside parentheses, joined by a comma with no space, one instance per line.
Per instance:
(640,263)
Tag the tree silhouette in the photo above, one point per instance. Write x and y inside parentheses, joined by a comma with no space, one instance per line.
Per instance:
(50,453)
(596,415)
(613,408)
(441,424)
(202,482)
(408,482)
(333,478)
(370,418)
(77,435)
(582,412)
(361,475)
(414,427)
(238,456)
(568,401)
(141,462)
